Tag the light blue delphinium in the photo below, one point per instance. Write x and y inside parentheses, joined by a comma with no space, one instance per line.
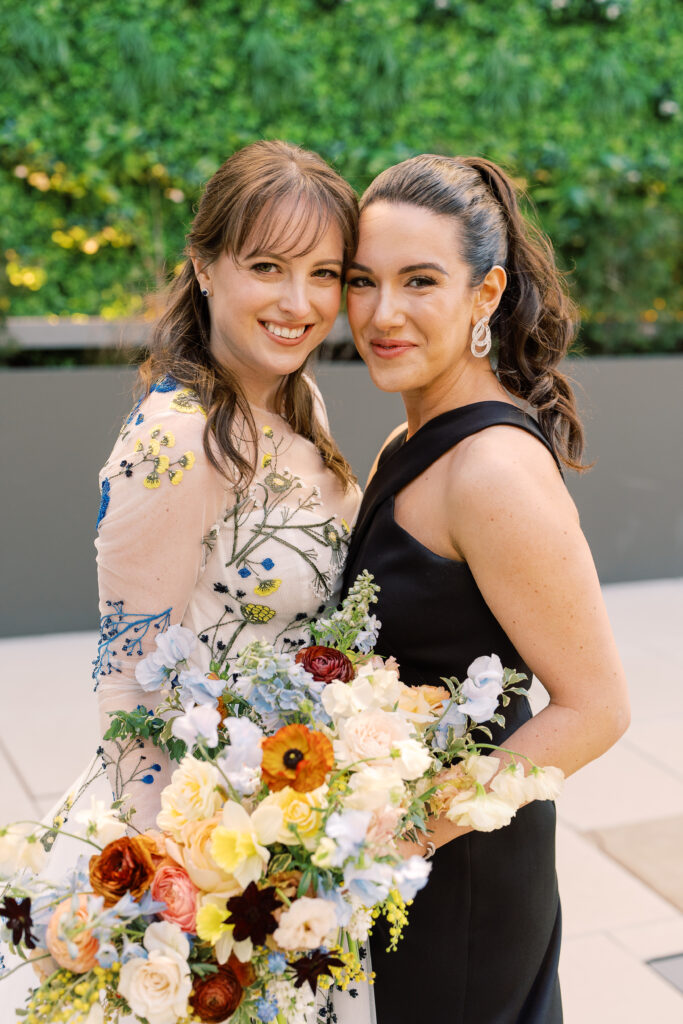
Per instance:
(267,1010)
(277,963)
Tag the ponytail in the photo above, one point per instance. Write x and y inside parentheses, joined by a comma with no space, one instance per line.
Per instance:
(536,321)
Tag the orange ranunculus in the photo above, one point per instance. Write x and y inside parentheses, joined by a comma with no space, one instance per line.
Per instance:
(85,942)
(296,757)
(216,996)
(125,865)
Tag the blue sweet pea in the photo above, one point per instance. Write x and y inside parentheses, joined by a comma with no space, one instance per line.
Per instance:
(199,689)
(348,829)
(107,954)
(411,876)
(369,885)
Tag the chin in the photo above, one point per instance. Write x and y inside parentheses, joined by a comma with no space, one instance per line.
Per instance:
(389,378)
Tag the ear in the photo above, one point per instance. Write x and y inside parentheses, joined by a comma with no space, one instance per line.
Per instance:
(202,272)
(489,293)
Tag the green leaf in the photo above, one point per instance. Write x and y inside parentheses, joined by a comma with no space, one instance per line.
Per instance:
(280,862)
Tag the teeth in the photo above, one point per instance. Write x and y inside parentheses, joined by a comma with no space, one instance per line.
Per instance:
(285,332)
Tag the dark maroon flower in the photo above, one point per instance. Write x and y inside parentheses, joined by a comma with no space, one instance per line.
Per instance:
(252,913)
(216,996)
(17,913)
(326,664)
(315,965)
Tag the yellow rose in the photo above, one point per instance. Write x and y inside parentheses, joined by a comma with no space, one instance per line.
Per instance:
(193,852)
(191,796)
(299,809)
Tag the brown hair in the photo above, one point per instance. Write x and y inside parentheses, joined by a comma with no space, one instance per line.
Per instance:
(535,322)
(235,216)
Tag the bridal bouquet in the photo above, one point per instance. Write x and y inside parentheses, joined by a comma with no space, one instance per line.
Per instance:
(275,846)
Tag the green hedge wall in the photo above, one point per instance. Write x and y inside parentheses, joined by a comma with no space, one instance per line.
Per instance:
(113,113)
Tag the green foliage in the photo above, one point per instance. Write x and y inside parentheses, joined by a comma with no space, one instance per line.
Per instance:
(115,113)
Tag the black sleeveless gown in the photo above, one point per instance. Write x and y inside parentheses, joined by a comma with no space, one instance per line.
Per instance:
(483,941)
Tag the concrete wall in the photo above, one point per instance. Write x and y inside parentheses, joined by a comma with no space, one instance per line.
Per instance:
(57,427)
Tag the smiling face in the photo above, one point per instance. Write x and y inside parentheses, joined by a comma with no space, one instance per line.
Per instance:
(269,310)
(410,302)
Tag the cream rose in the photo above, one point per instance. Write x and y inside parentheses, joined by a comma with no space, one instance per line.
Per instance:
(191,796)
(193,852)
(306,924)
(157,988)
(369,736)
(300,809)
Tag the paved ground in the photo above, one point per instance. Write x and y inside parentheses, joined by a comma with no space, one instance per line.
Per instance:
(620,838)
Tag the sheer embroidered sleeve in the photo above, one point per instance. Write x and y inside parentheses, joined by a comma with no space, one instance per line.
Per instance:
(160,498)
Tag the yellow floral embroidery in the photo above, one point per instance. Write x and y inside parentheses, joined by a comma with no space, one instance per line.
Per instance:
(257,613)
(345,526)
(187,460)
(266,587)
(153,448)
(186,401)
(139,445)
(266,460)
(175,476)
(268,431)
(152,480)
(168,439)
(155,431)
(161,463)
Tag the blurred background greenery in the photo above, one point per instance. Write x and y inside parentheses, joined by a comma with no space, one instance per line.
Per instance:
(113,114)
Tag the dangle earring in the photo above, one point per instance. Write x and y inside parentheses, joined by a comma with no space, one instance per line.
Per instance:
(481,338)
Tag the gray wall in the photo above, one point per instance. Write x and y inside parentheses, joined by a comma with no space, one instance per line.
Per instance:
(59,425)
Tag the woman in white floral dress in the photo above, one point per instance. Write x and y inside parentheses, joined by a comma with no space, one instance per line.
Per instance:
(225,504)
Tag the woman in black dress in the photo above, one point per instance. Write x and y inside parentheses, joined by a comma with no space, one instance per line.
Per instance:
(470,532)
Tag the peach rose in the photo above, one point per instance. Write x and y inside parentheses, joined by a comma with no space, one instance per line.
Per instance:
(193,852)
(382,827)
(85,942)
(174,887)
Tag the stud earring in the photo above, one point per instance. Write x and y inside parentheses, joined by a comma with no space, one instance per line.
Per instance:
(481,338)
(205,292)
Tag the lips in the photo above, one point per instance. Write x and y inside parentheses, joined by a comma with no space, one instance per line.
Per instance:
(390,348)
(286,334)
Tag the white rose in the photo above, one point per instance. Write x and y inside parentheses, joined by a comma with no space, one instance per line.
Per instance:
(306,924)
(101,824)
(157,988)
(544,783)
(481,811)
(510,785)
(369,736)
(374,787)
(191,796)
(167,938)
(414,759)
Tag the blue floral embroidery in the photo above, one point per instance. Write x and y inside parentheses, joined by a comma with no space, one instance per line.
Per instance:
(149,779)
(104,502)
(128,630)
(268,564)
(164,384)
(244,572)
(140,419)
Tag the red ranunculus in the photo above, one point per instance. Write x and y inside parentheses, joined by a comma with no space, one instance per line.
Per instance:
(216,996)
(326,664)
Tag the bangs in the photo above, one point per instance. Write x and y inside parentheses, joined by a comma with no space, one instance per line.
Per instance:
(283,225)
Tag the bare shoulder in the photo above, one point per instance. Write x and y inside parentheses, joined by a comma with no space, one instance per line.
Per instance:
(394,433)
(505,475)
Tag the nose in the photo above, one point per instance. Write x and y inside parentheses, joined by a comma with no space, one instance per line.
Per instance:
(387,313)
(295,301)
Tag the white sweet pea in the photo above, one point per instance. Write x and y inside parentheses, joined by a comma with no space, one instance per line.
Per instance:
(241,762)
(544,783)
(306,924)
(480,768)
(100,823)
(510,785)
(200,721)
(151,673)
(480,810)
(20,848)
(482,688)
(414,759)
(157,988)
(168,938)
(325,855)
(175,645)
(240,840)
(372,689)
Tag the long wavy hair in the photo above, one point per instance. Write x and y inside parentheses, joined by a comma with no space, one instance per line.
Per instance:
(236,215)
(536,321)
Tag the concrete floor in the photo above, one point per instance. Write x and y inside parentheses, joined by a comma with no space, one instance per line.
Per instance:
(620,832)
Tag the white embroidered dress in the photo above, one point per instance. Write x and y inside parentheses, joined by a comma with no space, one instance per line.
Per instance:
(177,543)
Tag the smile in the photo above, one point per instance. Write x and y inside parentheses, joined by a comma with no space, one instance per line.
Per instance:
(389,348)
(283,333)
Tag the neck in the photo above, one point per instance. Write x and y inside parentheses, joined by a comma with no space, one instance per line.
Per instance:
(464,386)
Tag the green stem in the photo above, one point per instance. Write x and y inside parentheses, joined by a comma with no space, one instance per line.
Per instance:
(506,750)
(49,828)
(25,963)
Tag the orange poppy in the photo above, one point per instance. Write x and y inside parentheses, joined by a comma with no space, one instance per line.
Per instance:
(296,757)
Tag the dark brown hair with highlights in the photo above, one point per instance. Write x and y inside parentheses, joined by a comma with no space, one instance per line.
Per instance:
(236,215)
(536,321)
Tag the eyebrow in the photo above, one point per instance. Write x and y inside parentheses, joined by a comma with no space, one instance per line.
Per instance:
(283,256)
(405,270)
